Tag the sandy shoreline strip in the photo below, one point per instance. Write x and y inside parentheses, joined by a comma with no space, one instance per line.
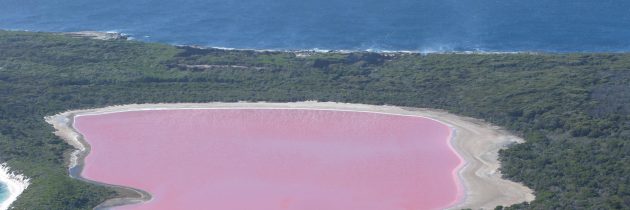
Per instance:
(476,142)
(64,128)
(16,184)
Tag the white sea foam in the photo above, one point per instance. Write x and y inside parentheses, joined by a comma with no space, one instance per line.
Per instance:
(307,52)
(16,184)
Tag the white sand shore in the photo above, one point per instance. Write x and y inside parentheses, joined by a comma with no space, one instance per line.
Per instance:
(16,184)
(98,35)
(476,142)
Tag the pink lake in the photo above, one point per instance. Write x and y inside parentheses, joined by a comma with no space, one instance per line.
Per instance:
(268,159)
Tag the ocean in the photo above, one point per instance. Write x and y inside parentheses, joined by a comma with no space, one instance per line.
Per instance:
(379,25)
(4,192)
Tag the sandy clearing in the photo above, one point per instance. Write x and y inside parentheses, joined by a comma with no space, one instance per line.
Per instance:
(477,142)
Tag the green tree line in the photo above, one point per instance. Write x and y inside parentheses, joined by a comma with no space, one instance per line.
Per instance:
(573,110)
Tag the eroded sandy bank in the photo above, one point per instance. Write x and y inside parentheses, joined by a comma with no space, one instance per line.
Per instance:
(475,141)
(16,184)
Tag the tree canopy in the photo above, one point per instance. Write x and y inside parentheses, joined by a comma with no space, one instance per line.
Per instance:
(573,110)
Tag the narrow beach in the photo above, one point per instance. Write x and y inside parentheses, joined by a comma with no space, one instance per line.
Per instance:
(16,184)
(476,142)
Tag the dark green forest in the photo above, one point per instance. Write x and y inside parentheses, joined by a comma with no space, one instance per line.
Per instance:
(573,110)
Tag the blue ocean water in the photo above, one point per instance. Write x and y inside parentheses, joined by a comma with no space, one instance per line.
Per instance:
(4,192)
(414,25)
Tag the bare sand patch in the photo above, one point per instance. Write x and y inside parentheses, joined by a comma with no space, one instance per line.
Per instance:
(475,141)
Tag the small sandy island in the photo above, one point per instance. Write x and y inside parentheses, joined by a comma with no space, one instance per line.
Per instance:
(16,184)
(476,141)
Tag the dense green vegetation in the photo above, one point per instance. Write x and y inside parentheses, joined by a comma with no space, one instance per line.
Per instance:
(573,109)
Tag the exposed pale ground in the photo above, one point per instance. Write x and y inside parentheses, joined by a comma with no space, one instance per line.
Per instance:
(477,142)
(16,184)
(97,35)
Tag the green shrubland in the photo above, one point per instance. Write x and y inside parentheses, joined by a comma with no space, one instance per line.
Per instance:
(573,110)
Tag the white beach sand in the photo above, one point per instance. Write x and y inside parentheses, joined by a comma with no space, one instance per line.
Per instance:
(475,141)
(16,184)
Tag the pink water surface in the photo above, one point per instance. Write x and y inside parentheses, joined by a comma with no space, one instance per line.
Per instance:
(267,159)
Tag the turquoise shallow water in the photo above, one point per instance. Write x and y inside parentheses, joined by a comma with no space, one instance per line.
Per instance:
(4,192)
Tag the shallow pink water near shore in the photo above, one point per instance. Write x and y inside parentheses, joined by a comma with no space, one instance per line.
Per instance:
(268,159)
